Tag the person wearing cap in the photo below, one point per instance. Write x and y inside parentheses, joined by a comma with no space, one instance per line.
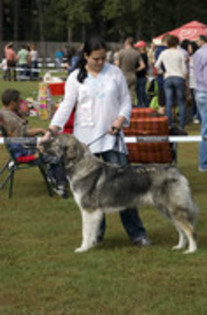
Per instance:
(130,61)
(143,100)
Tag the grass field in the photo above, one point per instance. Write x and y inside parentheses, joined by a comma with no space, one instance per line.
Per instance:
(40,274)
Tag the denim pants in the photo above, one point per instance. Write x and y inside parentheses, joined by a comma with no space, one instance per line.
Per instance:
(129,217)
(175,86)
(143,100)
(195,112)
(23,71)
(201,101)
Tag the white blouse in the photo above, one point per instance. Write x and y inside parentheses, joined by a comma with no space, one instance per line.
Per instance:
(99,101)
(174,63)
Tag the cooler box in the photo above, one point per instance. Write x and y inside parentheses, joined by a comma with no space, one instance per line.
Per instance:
(151,126)
(141,112)
(156,152)
(149,152)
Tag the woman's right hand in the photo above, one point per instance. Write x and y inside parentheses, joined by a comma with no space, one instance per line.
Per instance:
(43,139)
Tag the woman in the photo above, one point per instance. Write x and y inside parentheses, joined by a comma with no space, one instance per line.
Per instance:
(175,75)
(34,62)
(103,106)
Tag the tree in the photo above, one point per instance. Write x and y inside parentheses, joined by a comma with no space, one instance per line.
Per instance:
(122,15)
(70,15)
(1,20)
(71,20)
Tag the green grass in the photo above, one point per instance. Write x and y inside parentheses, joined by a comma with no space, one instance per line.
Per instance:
(40,274)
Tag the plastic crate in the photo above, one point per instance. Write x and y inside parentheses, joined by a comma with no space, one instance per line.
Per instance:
(57,88)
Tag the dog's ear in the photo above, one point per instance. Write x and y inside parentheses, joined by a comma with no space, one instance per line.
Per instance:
(52,147)
(74,149)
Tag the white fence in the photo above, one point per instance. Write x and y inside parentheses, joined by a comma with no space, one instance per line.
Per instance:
(174,139)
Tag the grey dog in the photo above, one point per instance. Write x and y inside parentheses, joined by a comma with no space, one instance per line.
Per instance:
(99,187)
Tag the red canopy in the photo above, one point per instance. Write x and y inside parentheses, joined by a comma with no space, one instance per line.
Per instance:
(188,31)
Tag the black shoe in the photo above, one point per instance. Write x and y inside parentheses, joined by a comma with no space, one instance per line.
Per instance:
(177,131)
(143,242)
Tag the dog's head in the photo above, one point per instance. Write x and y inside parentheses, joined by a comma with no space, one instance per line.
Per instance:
(67,147)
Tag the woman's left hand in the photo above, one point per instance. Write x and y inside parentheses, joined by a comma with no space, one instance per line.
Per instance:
(116,125)
(114,130)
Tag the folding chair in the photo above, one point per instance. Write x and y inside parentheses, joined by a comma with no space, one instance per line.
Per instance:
(12,165)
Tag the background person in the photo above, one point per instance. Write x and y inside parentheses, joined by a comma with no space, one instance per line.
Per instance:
(160,75)
(23,58)
(11,59)
(142,75)
(175,76)
(15,124)
(34,62)
(130,61)
(200,70)
(103,106)
(195,116)
(59,55)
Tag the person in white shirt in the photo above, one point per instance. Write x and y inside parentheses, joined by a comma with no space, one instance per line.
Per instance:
(99,92)
(34,62)
(174,78)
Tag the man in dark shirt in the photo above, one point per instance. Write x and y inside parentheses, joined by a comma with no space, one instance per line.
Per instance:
(143,100)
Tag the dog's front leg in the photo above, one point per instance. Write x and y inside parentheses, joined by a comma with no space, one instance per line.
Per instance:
(90,226)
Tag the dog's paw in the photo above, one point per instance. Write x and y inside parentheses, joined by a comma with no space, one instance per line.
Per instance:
(190,251)
(81,250)
(177,247)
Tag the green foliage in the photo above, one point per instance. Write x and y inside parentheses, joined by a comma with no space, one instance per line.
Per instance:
(113,19)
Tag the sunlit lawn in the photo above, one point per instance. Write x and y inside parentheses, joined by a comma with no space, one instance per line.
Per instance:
(41,274)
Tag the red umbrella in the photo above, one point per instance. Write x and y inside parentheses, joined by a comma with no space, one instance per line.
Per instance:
(188,31)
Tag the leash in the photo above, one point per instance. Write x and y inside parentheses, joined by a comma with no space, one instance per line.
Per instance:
(103,135)
(95,140)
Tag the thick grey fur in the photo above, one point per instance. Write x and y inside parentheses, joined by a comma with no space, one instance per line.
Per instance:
(100,187)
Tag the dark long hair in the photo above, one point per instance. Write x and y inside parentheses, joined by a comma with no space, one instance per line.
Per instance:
(93,43)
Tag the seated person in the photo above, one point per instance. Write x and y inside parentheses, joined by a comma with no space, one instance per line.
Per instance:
(14,122)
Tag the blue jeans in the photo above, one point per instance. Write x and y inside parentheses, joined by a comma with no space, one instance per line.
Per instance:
(201,101)
(34,70)
(175,86)
(129,217)
(23,71)
(143,100)
(195,112)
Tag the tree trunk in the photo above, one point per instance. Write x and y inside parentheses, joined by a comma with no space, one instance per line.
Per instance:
(70,34)
(1,23)
(41,29)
